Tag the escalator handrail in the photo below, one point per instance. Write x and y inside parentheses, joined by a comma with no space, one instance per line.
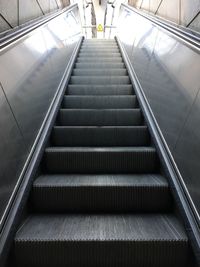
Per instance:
(21,32)
(185,36)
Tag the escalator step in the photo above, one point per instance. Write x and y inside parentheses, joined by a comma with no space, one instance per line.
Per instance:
(99,47)
(100,102)
(99,72)
(101,117)
(101,193)
(99,59)
(100,136)
(100,50)
(100,89)
(100,160)
(99,54)
(101,240)
(99,41)
(99,65)
(100,80)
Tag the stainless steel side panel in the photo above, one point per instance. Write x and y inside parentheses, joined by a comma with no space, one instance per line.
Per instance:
(30,73)
(169,72)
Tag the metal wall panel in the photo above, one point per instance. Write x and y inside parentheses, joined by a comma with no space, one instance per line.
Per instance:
(189,9)
(179,11)
(30,73)
(12,152)
(154,4)
(32,10)
(146,5)
(138,3)
(45,5)
(53,5)
(10,14)
(195,25)
(4,25)
(16,12)
(168,70)
(170,10)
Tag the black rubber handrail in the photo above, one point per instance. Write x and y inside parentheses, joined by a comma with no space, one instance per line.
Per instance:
(190,39)
(15,35)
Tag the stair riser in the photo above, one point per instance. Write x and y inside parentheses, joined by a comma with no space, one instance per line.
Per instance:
(98,72)
(99,66)
(99,50)
(101,199)
(100,90)
(99,60)
(99,54)
(99,117)
(77,136)
(88,253)
(100,57)
(100,162)
(99,46)
(100,80)
(100,102)
(88,92)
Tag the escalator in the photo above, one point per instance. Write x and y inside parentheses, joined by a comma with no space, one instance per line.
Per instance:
(101,197)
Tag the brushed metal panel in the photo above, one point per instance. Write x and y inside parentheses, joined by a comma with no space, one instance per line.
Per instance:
(154,4)
(146,5)
(28,10)
(168,71)
(7,12)
(12,152)
(169,10)
(30,72)
(25,82)
(195,25)
(138,3)
(187,151)
(45,5)
(3,25)
(189,9)
(52,5)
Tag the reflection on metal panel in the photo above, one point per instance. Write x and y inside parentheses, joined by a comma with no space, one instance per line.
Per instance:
(12,151)
(30,73)
(168,71)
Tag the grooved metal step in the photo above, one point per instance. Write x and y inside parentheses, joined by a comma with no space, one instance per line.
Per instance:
(99,50)
(122,89)
(99,72)
(100,59)
(100,102)
(101,160)
(101,193)
(100,80)
(99,54)
(101,117)
(101,240)
(99,65)
(100,136)
(100,47)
